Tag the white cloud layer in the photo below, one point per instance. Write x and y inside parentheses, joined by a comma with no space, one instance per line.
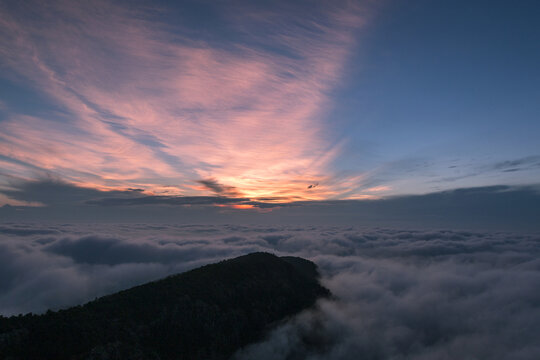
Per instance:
(399,294)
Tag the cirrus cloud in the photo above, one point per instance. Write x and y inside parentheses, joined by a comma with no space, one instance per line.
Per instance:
(140,102)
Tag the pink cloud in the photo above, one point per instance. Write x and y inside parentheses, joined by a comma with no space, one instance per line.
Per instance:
(380,188)
(149,108)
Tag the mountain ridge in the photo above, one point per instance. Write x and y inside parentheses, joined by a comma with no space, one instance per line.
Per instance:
(205,313)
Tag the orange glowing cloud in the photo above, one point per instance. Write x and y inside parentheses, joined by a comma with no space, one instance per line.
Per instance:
(147,108)
(236,206)
(377,189)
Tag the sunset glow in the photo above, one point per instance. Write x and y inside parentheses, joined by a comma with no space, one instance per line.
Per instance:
(273,104)
(162,112)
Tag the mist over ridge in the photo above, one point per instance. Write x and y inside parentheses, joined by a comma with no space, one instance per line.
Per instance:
(208,312)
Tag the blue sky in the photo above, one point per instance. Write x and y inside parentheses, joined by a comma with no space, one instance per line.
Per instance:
(448,89)
(274,102)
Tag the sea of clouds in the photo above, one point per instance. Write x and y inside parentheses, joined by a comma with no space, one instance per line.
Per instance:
(399,294)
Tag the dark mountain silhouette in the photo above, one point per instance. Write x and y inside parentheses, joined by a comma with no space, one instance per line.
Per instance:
(206,313)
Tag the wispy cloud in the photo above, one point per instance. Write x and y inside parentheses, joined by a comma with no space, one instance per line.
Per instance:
(220,189)
(142,105)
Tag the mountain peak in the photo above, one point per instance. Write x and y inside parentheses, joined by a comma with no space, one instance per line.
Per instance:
(206,313)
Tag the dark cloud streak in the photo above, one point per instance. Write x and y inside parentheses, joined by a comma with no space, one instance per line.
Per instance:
(166,200)
(218,188)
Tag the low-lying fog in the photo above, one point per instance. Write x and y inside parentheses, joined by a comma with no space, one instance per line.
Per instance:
(399,293)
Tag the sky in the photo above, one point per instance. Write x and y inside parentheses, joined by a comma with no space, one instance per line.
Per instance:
(252,106)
